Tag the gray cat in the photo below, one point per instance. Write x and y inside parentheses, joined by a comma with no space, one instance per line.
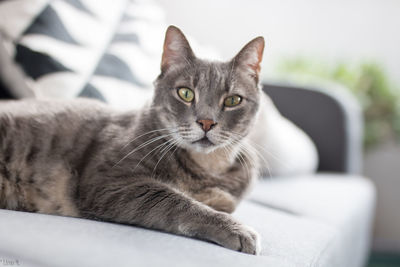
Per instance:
(179,165)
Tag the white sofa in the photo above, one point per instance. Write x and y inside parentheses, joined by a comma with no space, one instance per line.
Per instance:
(321,220)
(305,220)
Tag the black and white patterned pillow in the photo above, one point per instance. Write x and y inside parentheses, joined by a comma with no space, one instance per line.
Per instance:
(109,49)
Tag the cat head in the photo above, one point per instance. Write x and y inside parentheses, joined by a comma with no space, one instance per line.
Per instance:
(207,105)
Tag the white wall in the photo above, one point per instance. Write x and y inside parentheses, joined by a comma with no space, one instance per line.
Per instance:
(357,29)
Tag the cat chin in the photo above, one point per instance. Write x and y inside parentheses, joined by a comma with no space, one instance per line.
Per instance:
(205,150)
(198,148)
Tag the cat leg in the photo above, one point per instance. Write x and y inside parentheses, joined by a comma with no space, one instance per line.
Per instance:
(221,193)
(155,205)
(217,199)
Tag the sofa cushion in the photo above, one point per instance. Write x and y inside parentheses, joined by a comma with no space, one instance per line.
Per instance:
(44,240)
(346,203)
(109,51)
(288,239)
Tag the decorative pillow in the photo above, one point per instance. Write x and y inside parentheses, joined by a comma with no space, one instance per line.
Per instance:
(109,49)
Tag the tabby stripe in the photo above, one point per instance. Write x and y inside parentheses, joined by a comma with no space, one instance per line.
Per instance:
(158,202)
(86,155)
(41,193)
(9,151)
(5,172)
(55,142)
(32,154)
(152,196)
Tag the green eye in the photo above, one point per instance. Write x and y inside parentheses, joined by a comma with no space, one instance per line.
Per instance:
(232,101)
(186,94)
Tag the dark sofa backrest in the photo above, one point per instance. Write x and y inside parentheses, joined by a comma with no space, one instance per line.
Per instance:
(334,127)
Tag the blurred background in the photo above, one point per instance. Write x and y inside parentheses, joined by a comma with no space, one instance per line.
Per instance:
(353,43)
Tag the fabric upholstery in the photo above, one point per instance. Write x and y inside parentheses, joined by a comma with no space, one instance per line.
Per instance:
(346,203)
(314,221)
(67,48)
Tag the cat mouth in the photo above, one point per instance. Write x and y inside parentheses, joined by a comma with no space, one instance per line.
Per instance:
(204,141)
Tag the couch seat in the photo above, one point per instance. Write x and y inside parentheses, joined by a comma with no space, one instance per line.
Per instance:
(317,220)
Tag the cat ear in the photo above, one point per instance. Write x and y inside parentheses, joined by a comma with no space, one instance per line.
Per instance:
(249,58)
(177,50)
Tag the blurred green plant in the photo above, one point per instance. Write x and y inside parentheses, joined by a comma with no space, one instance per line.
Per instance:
(368,81)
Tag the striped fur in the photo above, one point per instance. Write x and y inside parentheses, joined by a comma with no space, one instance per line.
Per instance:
(83,159)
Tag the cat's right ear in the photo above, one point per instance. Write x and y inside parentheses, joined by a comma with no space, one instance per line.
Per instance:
(177,50)
(249,58)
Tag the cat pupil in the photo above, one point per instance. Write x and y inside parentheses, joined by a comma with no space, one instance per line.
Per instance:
(232,101)
(186,93)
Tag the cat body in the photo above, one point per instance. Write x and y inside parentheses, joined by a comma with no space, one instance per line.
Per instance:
(180,165)
(42,171)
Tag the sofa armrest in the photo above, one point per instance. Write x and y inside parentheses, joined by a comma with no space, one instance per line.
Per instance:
(330,116)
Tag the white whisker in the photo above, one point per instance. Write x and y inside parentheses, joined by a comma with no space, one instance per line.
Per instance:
(151,151)
(168,148)
(153,131)
(143,145)
(252,150)
(266,150)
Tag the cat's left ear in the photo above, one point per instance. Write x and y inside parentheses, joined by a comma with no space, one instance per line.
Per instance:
(177,50)
(249,58)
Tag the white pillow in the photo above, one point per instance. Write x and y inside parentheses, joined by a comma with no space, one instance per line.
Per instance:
(283,148)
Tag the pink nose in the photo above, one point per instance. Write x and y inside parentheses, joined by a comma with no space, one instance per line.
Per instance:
(206,124)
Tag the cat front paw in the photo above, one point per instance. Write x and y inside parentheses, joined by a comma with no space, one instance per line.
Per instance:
(246,240)
(239,237)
